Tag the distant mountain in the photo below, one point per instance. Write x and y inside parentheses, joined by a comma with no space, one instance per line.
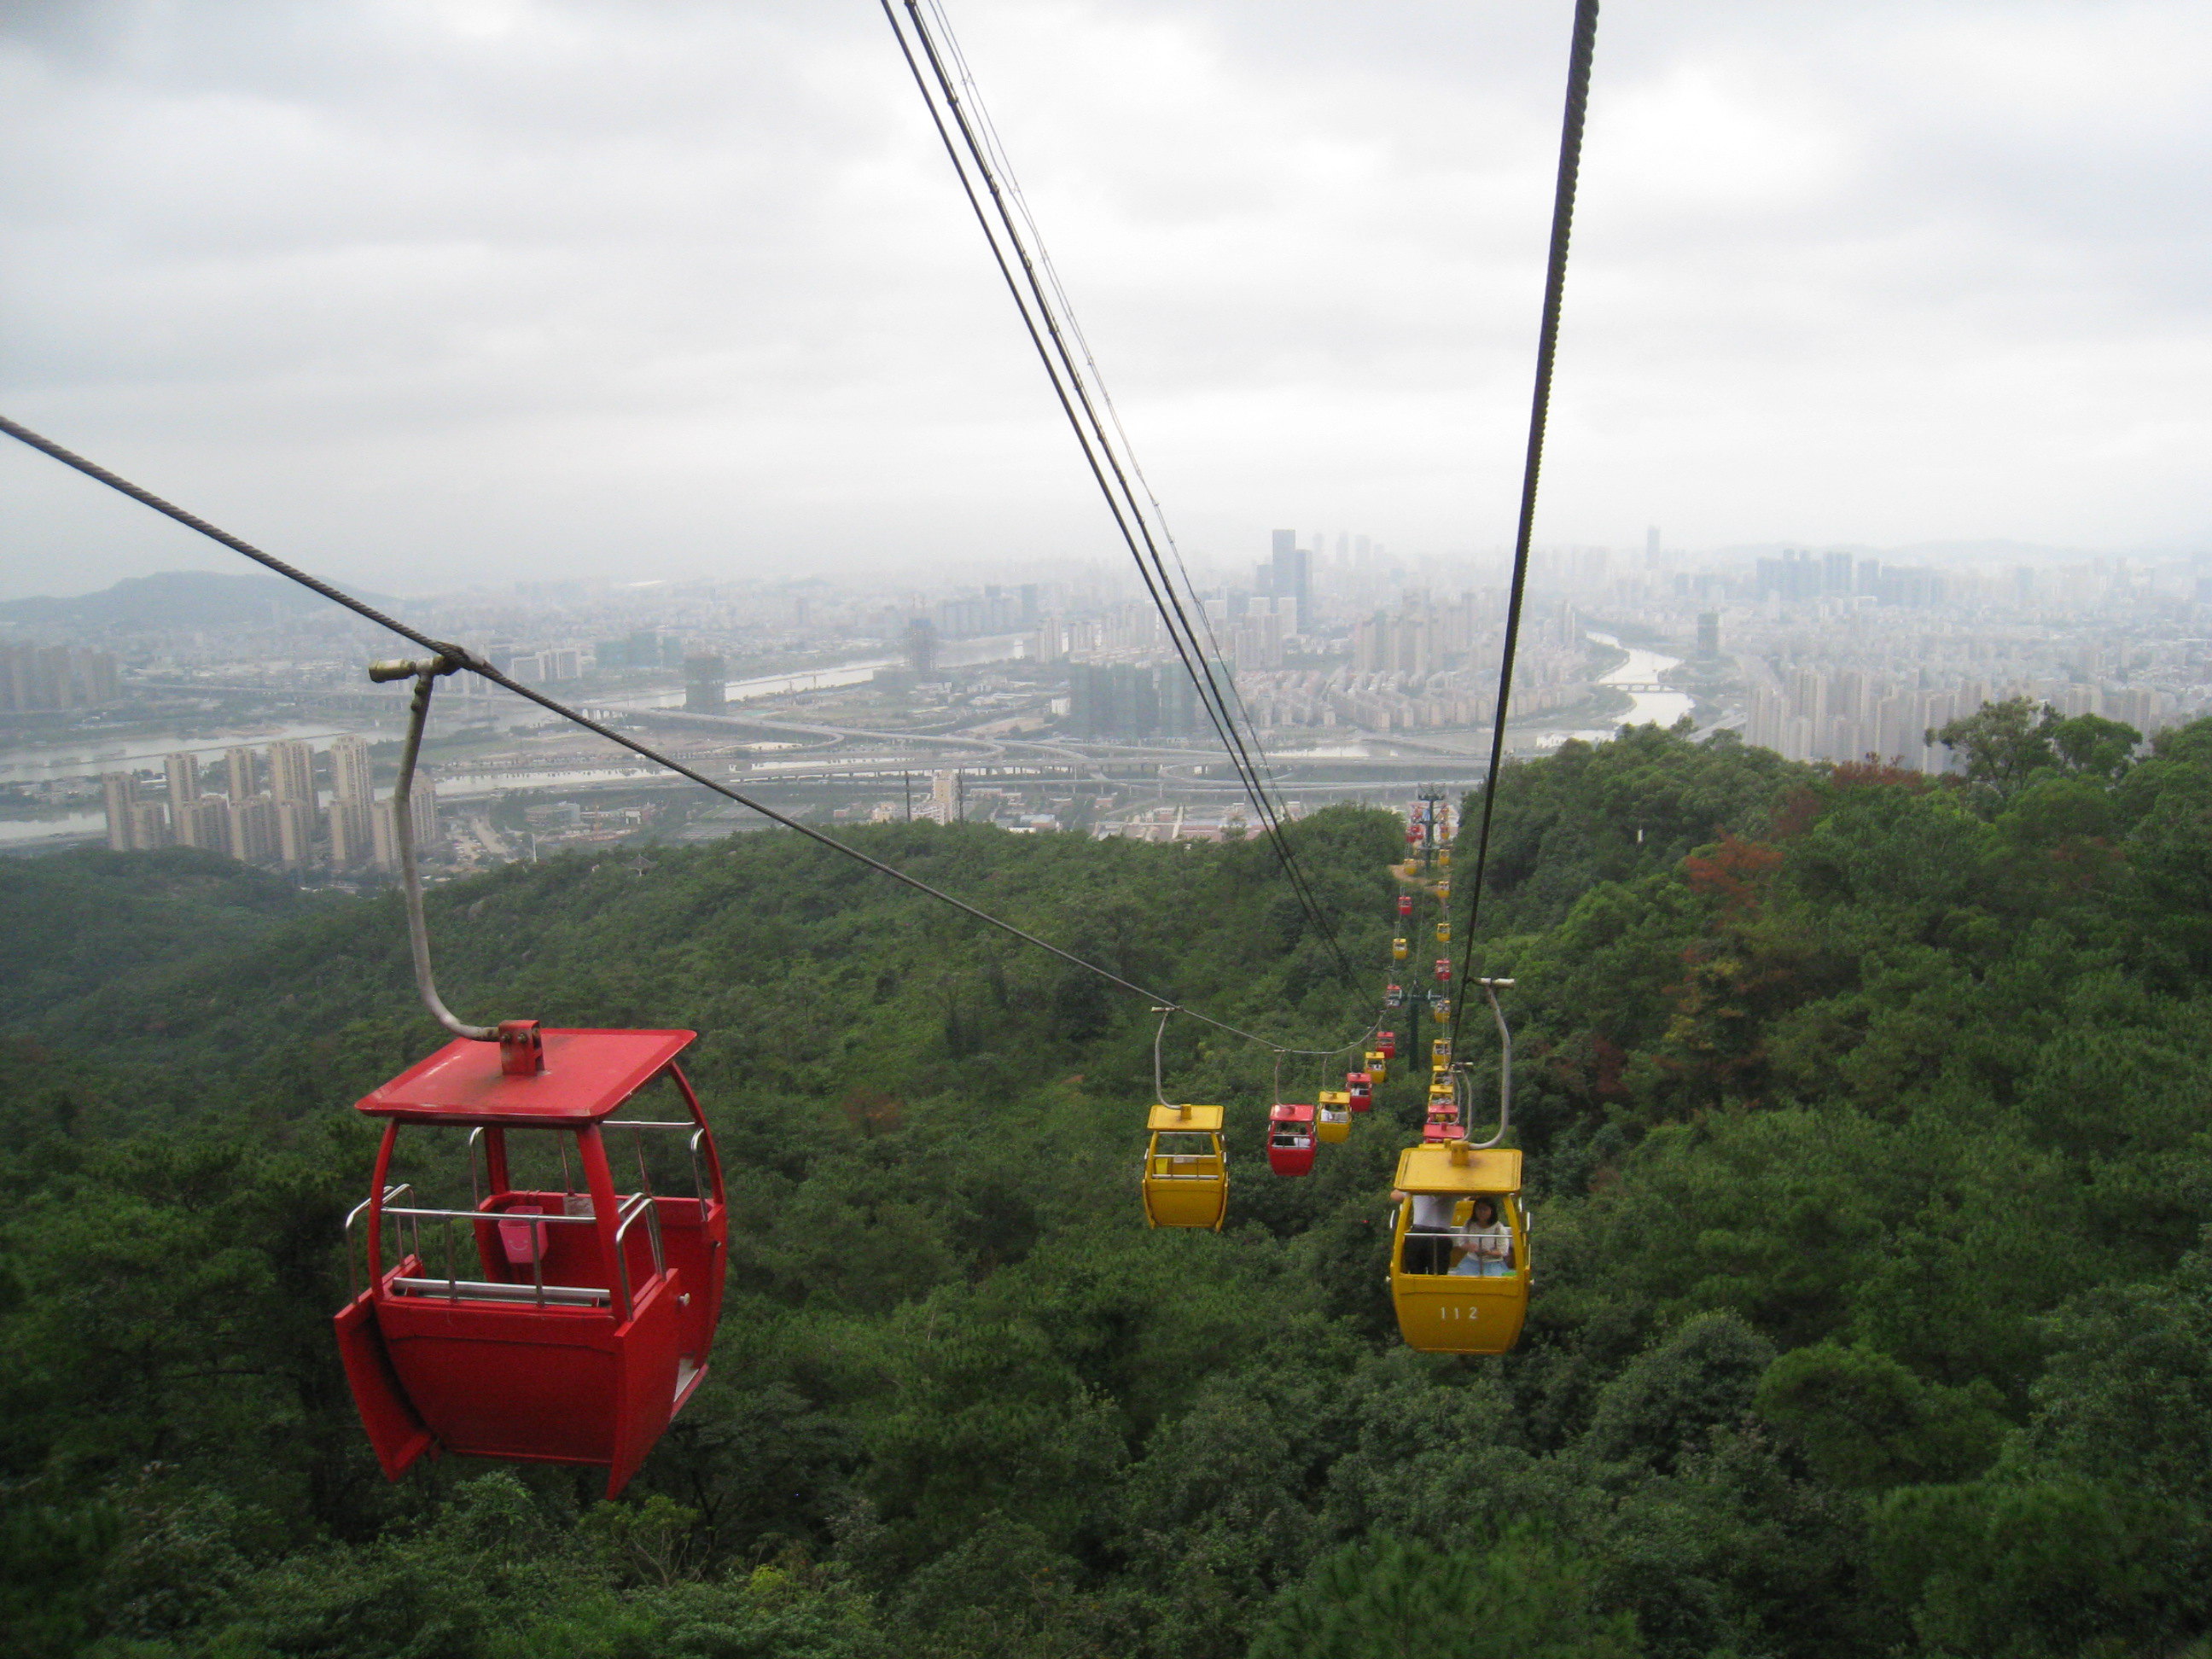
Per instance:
(170,598)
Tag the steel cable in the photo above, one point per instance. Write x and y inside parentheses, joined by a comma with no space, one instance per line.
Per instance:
(1069,384)
(1547,341)
(1180,630)
(477,666)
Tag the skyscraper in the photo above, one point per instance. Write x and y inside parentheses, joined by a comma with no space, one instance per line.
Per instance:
(292,771)
(350,776)
(296,822)
(705,683)
(118,793)
(183,771)
(1290,576)
(351,840)
(253,828)
(239,770)
(202,822)
(921,648)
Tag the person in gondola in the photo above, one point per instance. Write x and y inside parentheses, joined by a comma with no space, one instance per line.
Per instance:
(1429,1238)
(1486,1243)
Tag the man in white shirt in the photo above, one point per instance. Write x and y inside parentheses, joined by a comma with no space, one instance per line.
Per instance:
(1429,1237)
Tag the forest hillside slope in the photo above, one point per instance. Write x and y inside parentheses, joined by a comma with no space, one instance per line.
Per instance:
(1866,1127)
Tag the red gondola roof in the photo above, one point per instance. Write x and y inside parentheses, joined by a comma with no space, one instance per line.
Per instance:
(587,1075)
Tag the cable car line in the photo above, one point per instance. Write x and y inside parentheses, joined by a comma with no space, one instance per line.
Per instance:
(1547,341)
(1073,326)
(1100,454)
(462,657)
(1096,446)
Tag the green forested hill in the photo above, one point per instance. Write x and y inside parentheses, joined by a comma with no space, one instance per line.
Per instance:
(1867,1121)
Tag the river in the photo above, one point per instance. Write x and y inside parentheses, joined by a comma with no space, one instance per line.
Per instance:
(1647,706)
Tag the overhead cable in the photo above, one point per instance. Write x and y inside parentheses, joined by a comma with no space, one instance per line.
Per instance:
(475,665)
(1547,341)
(1090,435)
(1041,320)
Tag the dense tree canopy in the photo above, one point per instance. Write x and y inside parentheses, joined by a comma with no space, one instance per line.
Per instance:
(1866,1128)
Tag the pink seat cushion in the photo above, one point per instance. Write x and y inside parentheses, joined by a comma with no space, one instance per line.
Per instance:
(521,1240)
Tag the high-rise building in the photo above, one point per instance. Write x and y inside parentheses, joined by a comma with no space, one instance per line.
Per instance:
(204,823)
(238,770)
(1708,633)
(292,771)
(183,772)
(352,843)
(149,826)
(296,823)
(351,778)
(253,829)
(944,797)
(41,677)
(921,648)
(384,823)
(1290,577)
(705,679)
(383,835)
(118,793)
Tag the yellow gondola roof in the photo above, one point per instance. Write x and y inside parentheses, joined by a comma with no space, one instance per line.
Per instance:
(1335,1098)
(1428,1169)
(1200,1118)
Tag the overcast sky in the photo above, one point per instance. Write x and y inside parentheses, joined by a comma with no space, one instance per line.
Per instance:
(422,292)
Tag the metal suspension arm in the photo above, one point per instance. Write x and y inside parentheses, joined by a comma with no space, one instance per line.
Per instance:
(1504,1067)
(425,675)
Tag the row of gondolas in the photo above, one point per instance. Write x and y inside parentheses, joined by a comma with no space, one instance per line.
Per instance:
(1459,1276)
(564,1310)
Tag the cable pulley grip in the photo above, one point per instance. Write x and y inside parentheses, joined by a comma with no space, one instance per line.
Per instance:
(400,668)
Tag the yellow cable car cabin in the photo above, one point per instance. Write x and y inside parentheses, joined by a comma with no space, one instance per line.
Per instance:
(1400,949)
(1459,1250)
(1443,933)
(1378,1066)
(1439,1054)
(1443,858)
(1186,1174)
(1332,1117)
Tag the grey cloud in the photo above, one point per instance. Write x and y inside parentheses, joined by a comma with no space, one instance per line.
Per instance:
(479,286)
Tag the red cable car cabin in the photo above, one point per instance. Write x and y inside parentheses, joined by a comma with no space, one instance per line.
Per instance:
(551,1326)
(1386,1044)
(1290,1139)
(1360,1086)
(1405,905)
(1443,970)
